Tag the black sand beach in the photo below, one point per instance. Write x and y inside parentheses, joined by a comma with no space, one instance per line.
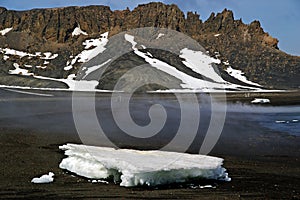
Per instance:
(261,165)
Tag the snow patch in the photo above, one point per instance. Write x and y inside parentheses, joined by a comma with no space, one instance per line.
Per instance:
(200,63)
(19,71)
(160,35)
(217,35)
(71,77)
(5,57)
(14,52)
(77,31)
(226,63)
(67,68)
(5,31)
(49,56)
(238,74)
(88,54)
(46,178)
(94,68)
(133,167)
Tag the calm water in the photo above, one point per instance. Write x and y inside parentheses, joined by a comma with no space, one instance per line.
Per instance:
(54,115)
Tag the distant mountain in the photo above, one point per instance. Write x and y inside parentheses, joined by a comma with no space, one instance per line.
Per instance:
(45,48)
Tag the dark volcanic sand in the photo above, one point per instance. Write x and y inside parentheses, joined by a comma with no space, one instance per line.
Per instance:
(26,154)
(262,166)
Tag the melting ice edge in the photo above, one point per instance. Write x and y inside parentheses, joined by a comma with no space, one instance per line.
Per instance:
(135,168)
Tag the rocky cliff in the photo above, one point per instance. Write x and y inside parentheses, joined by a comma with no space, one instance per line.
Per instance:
(243,46)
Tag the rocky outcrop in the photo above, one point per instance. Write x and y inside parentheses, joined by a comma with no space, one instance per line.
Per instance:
(245,47)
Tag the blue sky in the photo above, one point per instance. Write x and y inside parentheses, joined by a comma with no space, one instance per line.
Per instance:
(278,17)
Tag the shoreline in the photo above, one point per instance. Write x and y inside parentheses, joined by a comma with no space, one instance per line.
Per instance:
(278,98)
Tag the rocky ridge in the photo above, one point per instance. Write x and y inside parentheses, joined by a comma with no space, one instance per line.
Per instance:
(246,47)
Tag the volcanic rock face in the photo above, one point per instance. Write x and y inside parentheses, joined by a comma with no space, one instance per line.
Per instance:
(244,47)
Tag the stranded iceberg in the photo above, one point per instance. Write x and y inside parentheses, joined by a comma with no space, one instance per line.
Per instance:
(134,167)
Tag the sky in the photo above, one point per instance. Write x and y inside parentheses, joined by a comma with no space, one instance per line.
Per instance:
(280,18)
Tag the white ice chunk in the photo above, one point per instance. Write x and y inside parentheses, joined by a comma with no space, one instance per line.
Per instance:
(5,31)
(258,100)
(47,178)
(133,167)
(238,74)
(77,31)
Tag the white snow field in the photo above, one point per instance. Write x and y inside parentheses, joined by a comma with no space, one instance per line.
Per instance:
(46,178)
(133,167)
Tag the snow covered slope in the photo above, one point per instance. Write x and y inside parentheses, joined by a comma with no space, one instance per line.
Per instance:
(194,70)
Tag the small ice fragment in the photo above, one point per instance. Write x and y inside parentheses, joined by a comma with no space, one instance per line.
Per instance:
(257,100)
(46,178)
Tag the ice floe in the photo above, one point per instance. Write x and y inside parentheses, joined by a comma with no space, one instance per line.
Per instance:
(133,167)
(46,178)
